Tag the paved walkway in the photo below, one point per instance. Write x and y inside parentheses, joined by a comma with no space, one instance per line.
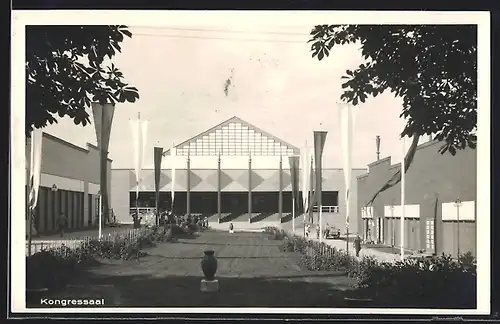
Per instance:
(252,272)
(342,245)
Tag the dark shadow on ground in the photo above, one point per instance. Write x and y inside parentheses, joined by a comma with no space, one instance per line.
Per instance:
(260,217)
(288,218)
(184,291)
(240,216)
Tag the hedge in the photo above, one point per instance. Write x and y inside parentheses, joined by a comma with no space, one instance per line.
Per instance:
(425,282)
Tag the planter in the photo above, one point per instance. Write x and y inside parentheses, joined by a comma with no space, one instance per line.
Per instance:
(209,265)
(169,235)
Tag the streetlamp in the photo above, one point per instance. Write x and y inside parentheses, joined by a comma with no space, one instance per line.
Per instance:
(458,204)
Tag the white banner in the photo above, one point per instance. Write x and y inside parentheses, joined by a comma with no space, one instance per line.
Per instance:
(173,154)
(346,135)
(35,166)
(139,134)
(305,177)
(144,137)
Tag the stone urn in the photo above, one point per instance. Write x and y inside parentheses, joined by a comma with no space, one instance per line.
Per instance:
(169,235)
(209,265)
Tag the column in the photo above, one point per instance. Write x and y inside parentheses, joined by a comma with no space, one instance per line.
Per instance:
(249,188)
(86,210)
(280,195)
(219,188)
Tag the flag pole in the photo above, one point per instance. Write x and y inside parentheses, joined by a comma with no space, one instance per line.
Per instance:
(403,176)
(137,187)
(100,215)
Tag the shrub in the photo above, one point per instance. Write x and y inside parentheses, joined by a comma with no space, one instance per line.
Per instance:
(410,282)
(41,270)
(176,229)
(418,281)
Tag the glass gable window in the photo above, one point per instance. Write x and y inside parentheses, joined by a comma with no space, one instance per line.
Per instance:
(235,139)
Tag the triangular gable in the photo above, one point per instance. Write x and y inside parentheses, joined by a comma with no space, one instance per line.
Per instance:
(235,137)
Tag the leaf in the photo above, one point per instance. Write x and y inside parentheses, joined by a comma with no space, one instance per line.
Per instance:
(58,83)
(321,54)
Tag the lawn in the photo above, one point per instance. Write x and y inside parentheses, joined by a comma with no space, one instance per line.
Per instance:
(252,272)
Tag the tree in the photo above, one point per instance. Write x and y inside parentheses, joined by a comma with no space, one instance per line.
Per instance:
(431,67)
(65,72)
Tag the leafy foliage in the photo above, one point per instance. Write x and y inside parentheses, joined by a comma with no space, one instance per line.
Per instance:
(413,281)
(432,68)
(65,72)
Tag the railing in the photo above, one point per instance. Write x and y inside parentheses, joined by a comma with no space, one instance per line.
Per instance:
(73,243)
(327,209)
(142,210)
(147,210)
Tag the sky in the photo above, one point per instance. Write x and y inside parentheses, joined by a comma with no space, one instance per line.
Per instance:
(180,71)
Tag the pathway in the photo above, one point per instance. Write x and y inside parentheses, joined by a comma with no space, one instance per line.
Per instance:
(252,272)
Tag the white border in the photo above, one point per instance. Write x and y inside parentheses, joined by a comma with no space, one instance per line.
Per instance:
(245,18)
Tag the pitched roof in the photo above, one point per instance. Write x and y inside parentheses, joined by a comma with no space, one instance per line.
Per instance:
(235,120)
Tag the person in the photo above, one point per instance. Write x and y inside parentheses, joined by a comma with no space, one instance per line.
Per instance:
(62,222)
(231,228)
(357,245)
(317,231)
(307,230)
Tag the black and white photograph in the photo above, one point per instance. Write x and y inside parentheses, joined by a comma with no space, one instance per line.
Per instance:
(253,161)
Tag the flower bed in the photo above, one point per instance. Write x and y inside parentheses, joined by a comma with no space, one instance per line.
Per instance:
(424,282)
(53,267)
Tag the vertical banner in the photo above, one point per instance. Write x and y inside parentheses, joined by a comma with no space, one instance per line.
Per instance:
(103,119)
(294,175)
(312,193)
(35,167)
(305,179)
(158,155)
(144,138)
(135,126)
(173,159)
(346,136)
(319,144)
(34,179)
(188,183)
(280,185)
(219,188)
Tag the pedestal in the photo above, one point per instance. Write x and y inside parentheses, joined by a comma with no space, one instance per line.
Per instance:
(209,285)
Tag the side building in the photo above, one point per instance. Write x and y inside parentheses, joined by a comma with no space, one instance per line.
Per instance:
(69,184)
(440,202)
(234,172)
